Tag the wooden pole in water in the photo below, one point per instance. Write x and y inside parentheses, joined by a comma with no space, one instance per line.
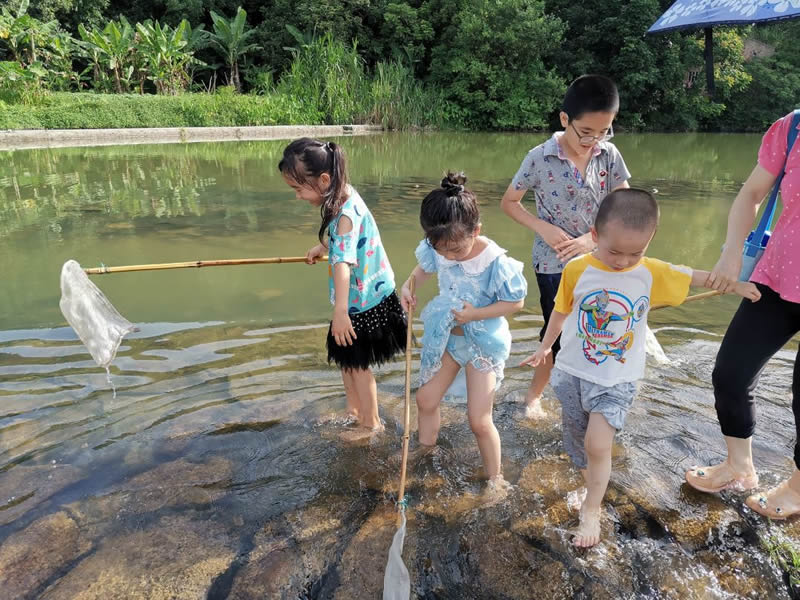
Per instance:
(200,263)
(407,415)
(692,298)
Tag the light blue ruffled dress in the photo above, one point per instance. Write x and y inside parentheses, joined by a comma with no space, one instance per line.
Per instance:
(490,277)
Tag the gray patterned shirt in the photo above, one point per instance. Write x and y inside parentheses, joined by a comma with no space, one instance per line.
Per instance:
(563,197)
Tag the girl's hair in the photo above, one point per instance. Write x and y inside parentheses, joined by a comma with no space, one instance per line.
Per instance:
(450,212)
(304,160)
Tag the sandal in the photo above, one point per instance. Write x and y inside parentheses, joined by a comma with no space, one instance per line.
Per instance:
(698,478)
(761,504)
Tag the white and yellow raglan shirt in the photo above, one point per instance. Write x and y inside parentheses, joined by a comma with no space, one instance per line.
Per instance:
(603,339)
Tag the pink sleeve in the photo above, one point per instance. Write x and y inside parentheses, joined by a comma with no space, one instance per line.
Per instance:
(772,153)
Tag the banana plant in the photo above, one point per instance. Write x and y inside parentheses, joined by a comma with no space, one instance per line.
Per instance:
(23,35)
(230,38)
(111,49)
(167,54)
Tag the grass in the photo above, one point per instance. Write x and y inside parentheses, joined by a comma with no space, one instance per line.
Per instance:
(327,84)
(787,556)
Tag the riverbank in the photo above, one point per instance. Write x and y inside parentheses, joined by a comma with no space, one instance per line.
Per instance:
(59,138)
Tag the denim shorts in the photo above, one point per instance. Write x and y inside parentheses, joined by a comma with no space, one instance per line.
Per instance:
(579,398)
(458,348)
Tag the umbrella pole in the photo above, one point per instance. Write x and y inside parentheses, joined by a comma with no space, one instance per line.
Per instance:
(709,56)
(407,410)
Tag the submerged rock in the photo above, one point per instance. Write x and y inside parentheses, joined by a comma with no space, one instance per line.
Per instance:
(174,557)
(22,488)
(36,554)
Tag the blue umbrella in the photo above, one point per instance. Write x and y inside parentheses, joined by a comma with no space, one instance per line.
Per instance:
(696,14)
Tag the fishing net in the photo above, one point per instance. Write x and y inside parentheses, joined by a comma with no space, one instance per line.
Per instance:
(97,323)
(654,349)
(396,582)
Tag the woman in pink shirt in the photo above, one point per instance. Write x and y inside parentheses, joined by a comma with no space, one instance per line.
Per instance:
(758,330)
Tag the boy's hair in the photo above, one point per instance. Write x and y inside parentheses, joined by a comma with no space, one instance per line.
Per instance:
(306,159)
(450,212)
(590,93)
(634,208)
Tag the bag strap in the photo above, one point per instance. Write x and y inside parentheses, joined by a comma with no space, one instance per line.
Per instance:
(769,212)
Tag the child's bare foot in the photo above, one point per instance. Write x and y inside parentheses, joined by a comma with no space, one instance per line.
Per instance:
(343,419)
(534,410)
(362,433)
(497,489)
(588,532)
(575,499)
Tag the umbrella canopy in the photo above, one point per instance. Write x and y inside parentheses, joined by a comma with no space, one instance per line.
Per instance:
(703,14)
(697,14)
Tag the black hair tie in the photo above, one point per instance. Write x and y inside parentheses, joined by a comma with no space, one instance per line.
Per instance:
(453,189)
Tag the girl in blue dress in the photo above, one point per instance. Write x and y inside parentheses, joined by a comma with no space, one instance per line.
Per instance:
(368,325)
(465,325)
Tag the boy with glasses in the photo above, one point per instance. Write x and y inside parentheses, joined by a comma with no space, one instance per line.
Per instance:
(570,174)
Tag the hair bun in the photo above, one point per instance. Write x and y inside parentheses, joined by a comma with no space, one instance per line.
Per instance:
(453,183)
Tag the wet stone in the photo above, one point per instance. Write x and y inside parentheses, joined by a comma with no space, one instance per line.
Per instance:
(23,488)
(692,519)
(363,561)
(179,483)
(297,553)
(511,568)
(32,556)
(176,557)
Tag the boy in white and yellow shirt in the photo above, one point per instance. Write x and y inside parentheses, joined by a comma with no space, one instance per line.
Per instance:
(603,299)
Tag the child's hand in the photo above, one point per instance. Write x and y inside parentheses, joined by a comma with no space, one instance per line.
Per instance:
(407,300)
(571,248)
(537,358)
(747,290)
(466,314)
(342,329)
(552,235)
(315,253)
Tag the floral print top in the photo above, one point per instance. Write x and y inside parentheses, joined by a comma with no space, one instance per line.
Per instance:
(371,275)
(564,197)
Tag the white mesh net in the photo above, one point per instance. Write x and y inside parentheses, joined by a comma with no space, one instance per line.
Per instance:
(396,582)
(97,323)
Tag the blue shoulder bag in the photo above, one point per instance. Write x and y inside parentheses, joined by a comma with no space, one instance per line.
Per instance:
(756,242)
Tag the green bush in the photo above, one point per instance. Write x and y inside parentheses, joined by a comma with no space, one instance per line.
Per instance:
(491,68)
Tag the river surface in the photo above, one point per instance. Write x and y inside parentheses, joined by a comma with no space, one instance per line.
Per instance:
(215,472)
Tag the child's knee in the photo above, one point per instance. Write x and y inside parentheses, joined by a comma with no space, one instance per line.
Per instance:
(426,402)
(597,447)
(481,426)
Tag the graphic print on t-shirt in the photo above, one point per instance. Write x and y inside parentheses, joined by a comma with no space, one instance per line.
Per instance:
(606,321)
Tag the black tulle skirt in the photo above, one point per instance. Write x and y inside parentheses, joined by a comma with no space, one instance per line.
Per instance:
(380,334)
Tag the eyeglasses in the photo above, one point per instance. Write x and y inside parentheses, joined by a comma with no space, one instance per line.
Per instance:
(590,139)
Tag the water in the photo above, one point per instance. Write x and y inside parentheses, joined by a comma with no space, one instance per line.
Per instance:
(209,475)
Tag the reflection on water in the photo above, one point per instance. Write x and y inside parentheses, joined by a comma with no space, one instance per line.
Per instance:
(211,475)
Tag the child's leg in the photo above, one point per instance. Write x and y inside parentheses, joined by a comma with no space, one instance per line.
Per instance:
(428,398)
(548,288)
(480,398)
(598,441)
(353,403)
(367,393)
(574,419)
(533,398)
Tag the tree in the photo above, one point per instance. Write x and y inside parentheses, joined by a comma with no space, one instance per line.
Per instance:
(490,63)
(230,39)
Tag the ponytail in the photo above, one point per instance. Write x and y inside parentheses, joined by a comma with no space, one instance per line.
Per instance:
(304,160)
